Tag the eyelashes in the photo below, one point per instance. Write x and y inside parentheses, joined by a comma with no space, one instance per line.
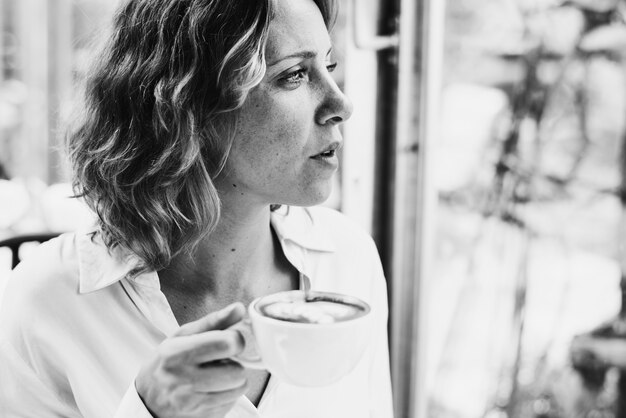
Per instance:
(299,75)
(296,76)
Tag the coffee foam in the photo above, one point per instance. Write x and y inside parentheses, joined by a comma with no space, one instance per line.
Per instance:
(313,312)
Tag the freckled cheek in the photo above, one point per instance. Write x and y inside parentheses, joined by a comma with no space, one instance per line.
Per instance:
(274,132)
(264,152)
(280,154)
(285,136)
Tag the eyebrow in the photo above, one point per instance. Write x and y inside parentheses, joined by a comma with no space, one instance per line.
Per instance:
(300,54)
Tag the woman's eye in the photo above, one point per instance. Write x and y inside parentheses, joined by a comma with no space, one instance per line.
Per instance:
(298,76)
(295,77)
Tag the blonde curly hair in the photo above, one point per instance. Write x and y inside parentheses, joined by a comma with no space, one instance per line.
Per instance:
(156,125)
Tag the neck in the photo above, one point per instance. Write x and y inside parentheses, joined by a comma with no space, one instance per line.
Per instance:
(232,260)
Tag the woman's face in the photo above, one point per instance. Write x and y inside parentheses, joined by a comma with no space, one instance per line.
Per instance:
(284,150)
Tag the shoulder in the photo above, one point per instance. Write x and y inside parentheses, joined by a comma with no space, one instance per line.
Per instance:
(37,283)
(37,315)
(50,262)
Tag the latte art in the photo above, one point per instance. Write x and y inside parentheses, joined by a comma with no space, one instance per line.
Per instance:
(317,311)
(307,339)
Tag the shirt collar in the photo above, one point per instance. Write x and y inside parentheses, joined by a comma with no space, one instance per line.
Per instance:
(297,224)
(100,267)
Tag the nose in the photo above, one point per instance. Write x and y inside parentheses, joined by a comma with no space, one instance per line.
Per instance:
(335,107)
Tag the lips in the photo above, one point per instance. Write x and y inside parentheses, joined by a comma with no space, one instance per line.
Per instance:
(329,151)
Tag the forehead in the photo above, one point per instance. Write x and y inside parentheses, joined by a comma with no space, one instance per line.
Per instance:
(296,25)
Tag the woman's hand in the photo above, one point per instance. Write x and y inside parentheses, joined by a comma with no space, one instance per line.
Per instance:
(191,374)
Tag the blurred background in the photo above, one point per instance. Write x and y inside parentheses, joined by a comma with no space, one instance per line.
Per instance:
(44,48)
(485,155)
(526,315)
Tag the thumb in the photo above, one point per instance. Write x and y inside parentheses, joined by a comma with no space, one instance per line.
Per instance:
(218,320)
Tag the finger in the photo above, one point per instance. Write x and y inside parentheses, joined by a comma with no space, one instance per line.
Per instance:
(225,397)
(226,344)
(250,352)
(201,348)
(218,376)
(221,319)
(206,410)
(221,411)
(214,404)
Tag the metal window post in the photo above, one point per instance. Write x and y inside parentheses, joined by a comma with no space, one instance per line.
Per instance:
(405,199)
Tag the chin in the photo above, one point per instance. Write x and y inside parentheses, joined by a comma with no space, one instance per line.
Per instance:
(310,197)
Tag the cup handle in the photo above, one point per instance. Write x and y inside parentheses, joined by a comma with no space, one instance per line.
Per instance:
(250,357)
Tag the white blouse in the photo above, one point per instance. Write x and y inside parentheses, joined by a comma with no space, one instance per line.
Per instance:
(75,327)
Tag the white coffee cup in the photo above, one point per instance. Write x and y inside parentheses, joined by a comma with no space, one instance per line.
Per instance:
(306,354)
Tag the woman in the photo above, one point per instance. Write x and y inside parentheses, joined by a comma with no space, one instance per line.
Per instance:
(202,117)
